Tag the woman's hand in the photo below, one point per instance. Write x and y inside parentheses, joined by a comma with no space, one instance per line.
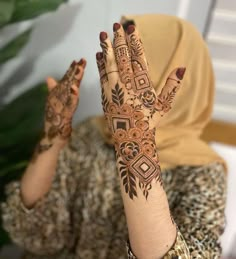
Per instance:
(132,107)
(61,104)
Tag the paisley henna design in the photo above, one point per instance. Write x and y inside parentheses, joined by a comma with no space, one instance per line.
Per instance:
(132,108)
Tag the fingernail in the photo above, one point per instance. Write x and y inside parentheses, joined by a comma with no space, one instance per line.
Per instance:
(116,26)
(81,62)
(73,63)
(103,36)
(130,29)
(180,72)
(77,71)
(99,55)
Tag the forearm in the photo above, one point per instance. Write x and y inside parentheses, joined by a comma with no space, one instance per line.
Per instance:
(38,177)
(151,229)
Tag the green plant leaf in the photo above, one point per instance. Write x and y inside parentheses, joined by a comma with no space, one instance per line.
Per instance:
(28,9)
(20,128)
(22,119)
(13,167)
(4,238)
(6,11)
(14,47)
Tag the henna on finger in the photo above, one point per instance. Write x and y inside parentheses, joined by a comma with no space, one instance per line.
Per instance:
(168,92)
(101,68)
(122,55)
(108,57)
(138,59)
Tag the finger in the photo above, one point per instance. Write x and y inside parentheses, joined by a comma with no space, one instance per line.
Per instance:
(75,73)
(51,83)
(74,90)
(79,72)
(109,58)
(103,80)
(138,58)
(101,68)
(122,54)
(82,63)
(141,82)
(74,98)
(172,85)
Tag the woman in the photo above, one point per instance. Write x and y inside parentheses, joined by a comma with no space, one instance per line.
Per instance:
(77,210)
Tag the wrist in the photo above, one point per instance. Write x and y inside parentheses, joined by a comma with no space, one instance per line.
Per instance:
(60,143)
(56,144)
(57,139)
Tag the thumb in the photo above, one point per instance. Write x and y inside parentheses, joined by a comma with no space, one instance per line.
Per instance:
(51,83)
(168,92)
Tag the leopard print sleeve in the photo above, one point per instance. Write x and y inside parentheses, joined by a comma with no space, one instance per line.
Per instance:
(178,250)
(46,228)
(197,197)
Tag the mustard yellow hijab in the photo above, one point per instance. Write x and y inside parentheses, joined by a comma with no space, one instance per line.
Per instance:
(170,42)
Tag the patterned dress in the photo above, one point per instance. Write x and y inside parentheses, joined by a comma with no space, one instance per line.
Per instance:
(83,216)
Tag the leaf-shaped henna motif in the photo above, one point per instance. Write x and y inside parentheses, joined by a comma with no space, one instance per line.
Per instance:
(166,101)
(118,95)
(136,46)
(128,180)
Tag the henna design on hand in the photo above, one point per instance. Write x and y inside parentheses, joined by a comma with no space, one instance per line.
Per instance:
(132,107)
(61,104)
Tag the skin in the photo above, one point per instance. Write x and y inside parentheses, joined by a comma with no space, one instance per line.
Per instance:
(133,111)
(62,101)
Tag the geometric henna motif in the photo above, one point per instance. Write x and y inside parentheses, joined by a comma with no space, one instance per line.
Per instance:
(121,123)
(144,168)
(141,82)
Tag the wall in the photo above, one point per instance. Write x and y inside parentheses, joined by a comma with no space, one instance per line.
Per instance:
(221,40)
(72,32)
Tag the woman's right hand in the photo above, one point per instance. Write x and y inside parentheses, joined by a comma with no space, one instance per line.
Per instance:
(62,101)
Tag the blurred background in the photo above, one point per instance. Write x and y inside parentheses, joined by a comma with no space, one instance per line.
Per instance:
(41,38)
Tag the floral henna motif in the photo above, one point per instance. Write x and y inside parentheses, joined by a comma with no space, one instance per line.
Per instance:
(148,98)
(132,108)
